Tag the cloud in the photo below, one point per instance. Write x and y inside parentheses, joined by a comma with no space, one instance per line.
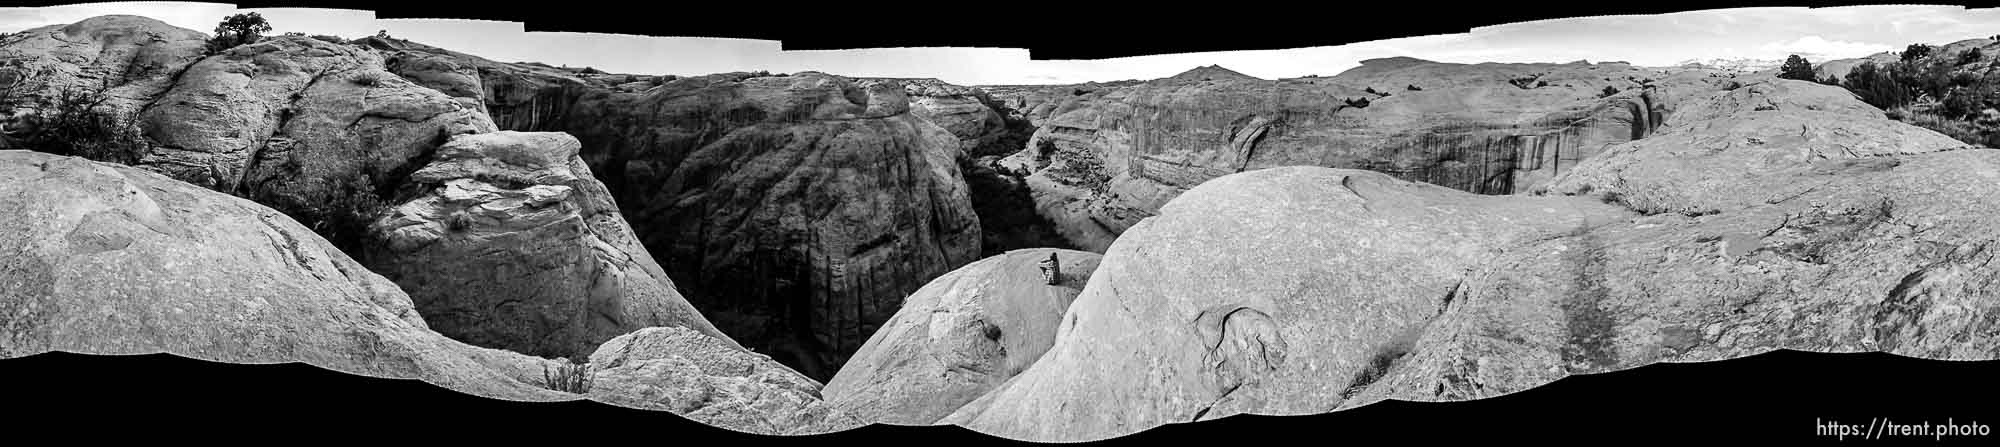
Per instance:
(1823,47)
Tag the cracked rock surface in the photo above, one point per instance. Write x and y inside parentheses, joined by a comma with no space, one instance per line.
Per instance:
(513,244)
(1106,157)
(959,337)
(112,260)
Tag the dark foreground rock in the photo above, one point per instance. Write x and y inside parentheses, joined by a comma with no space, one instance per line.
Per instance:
(112,260)
(959,337)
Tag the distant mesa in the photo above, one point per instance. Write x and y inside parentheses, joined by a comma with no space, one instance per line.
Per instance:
(1211,73)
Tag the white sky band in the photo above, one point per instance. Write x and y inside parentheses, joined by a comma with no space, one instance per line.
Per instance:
(1649,40)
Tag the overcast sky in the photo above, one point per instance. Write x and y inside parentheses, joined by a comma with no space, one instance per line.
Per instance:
(1652,40)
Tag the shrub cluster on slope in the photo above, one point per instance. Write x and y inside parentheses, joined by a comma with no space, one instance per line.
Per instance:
(1955,94)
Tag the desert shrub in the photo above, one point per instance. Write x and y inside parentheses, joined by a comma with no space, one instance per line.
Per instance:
(1414,88)
(1796,68)
(1357,102)
(1608,91)
(1971,56)
(568,378)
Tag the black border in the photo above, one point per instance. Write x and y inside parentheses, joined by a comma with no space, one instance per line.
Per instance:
(1774,397)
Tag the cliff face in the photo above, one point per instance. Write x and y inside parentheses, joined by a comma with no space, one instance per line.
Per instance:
(960,336)
(115,65)
(1114,157)
(798,210)
(112,260)
(324,133)
(512,244)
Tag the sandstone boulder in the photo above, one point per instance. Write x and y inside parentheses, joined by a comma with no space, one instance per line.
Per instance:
(111,260)
(711,381)
(959,337)
(514,245)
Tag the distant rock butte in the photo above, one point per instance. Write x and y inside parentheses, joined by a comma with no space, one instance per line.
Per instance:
(1107,158)
(704,379)
(959,337)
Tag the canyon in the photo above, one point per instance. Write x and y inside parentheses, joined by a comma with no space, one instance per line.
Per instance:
(798,253)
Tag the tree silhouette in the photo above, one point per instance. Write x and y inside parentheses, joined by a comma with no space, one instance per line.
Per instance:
(237,30)
(1916,51)
(1796,68)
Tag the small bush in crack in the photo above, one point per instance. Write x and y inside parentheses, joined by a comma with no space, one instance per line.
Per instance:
(568,378)
(458,222)
(74,125)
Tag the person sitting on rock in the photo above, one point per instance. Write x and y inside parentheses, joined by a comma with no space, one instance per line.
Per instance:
(1051,269)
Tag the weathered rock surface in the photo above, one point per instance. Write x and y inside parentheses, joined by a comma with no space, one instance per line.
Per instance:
(314,129)
(1304,290)
(111,260)
(959,337)
(968,113)
(514,245)
(710,381)
(1263,292)
(1878,239)
(128,59)
(797,210)
(1486,128)
(520,97)
(1036,103)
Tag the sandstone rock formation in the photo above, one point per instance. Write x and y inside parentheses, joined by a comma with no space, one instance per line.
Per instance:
(1263,292)
(966,112)
(1487,128)
(699,377)
(1857,235)
(111,260)
(795,211)
(1769,215)
(959,337)
(125,61)
(315,129)
(513,244)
